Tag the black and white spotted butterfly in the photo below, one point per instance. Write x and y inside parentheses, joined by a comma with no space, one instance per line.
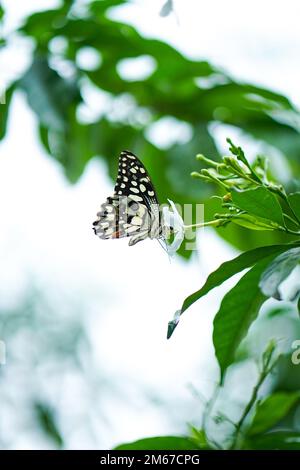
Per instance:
(133,210)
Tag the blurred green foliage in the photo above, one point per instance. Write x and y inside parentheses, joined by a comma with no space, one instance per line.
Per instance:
(45,343)
(46,419)
(52,389)
(192,92)
(161,443)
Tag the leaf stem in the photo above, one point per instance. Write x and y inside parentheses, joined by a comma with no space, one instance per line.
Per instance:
(203,224)
(264,373)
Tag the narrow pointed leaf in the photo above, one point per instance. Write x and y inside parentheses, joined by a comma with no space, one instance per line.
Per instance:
(239,308)
(271,410)
(226,271)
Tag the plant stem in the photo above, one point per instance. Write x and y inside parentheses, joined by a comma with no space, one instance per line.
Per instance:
(203,224)
(207,414)
(248,409)
(266,370)
(216,223)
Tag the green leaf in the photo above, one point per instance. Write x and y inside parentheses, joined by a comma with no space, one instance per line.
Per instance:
(278,270)
(260,202)
(252,222)
(46,419)
(98,7)
(294,202)
(271,410)
(239,308)
(278,440)
(181,162)
(280,136)
(160,443)
(6,96)
(49,95)
(226,271)
(240,237)
(71,146)
(43,26)
(281,325)
(200,438)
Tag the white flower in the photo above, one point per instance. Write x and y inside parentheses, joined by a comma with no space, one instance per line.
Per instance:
(173,223)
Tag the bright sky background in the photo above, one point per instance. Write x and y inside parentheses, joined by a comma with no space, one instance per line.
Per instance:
(46,223)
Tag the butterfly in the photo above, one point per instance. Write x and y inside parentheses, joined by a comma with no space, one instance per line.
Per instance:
(133,210)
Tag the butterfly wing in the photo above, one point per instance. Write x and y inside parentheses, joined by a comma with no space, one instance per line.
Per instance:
(133,180)
(133,210)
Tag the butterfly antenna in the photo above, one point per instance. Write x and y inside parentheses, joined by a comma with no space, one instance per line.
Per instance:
(161,244)
(164,246)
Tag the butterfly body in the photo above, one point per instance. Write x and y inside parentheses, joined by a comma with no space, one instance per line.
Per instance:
(133,210)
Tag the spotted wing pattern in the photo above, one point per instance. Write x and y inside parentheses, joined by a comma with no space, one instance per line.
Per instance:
(133,210)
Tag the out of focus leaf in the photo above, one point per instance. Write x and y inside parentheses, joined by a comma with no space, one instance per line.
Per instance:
(181,162)
(6,96)
(48,94)
(278,271)
(43,25)
(160,443)
(47,422)
(271,410)
(281,325)
(288,373)
(72,146)
(281,136)
(276,440)
(199,436)
(260,202)
(98,7)
(167,8)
